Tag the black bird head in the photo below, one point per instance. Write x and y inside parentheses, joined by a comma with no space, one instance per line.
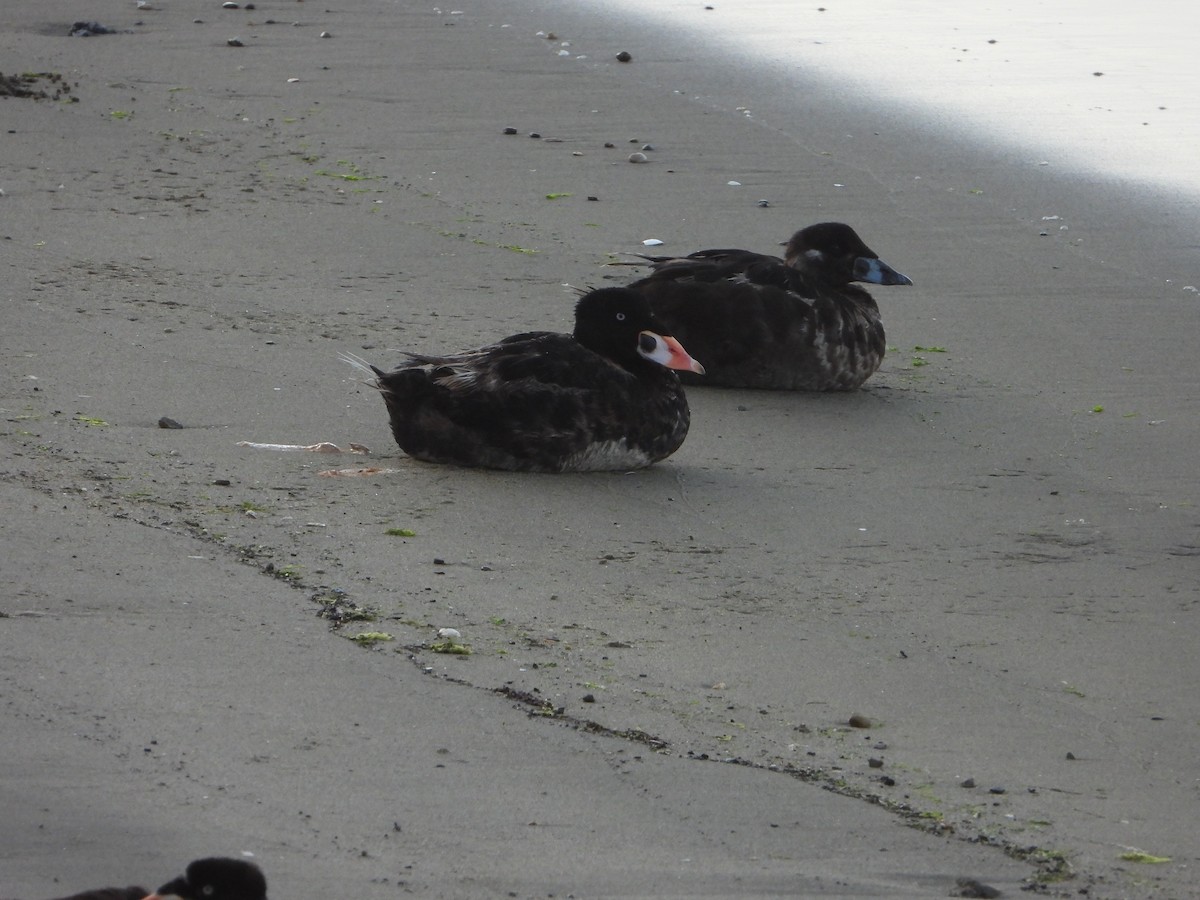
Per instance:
(217,878)
(835,253)
(617,324)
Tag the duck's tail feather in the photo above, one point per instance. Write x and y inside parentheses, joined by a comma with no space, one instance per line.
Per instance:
(364,368)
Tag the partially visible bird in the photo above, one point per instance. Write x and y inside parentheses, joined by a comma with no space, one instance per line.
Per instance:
(215,878)
(602,398)
(129,893)
(758,321)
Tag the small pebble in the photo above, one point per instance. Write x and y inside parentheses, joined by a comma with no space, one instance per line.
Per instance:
(764,203)
(326,34)
(1071,755)
(647,148)
(880,745)
(235,42)
(535,135)
(888,780)
(609,144)
(593,199)
(222,482)
(968,782)
(638,158)
(997,790)
(510,130)
(624,56)
(875,763)
(166,422)
(652,242)
(229,4)
(589,698)
(734,183)
(859,721)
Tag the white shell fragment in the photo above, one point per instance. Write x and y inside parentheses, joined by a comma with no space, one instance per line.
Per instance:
(453,635)
(652,242)
(355,473)
(322,447)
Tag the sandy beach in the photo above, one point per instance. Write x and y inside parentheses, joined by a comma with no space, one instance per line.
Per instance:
(988,555)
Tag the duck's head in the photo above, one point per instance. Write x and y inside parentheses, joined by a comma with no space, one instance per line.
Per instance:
(217,878)
(834,252)
(617,324)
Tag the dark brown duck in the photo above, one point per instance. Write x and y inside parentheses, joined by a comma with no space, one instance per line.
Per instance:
(602,398)
(757,321)
(215,878)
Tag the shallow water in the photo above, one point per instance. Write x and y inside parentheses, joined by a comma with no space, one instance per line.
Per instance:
(1081,85)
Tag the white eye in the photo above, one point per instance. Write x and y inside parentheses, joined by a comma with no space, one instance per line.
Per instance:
(620,317)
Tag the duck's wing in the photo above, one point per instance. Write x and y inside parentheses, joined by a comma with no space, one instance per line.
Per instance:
(735,267)
(520,362)
(127,893)
(716,265)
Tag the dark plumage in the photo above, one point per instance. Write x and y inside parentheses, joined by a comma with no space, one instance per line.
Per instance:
(600,399)
(758,321)
(129,893)
(216,878)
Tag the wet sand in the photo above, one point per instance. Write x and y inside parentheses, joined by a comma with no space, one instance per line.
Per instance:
(989,552)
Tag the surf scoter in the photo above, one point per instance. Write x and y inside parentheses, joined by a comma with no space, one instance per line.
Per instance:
(215,878)
(602,398)
(757,321)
